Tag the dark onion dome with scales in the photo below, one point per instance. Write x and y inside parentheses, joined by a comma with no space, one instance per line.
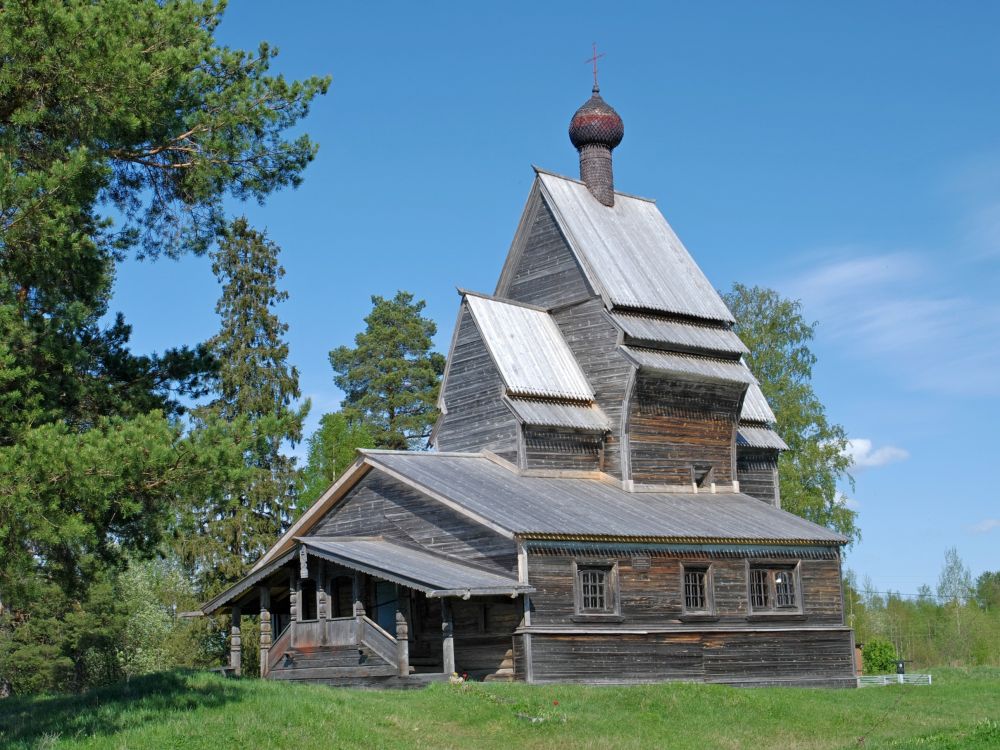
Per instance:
(595,130)
(596,122)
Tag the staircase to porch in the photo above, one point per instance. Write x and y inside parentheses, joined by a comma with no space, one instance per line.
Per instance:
(345,652)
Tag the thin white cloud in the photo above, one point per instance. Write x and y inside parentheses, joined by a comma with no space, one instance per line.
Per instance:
(985,526)
(914,316)
(864,455)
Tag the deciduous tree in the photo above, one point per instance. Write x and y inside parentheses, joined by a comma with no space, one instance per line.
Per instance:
(778,337)
(332,448)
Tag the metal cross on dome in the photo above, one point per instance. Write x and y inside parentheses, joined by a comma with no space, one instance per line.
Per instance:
(593,59)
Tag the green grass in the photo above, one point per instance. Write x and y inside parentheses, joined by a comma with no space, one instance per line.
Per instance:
(195,711)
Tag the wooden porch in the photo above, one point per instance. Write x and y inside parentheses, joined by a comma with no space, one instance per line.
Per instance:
(322,620)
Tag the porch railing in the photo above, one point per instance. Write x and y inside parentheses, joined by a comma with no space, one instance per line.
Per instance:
(340,631)
(279,646)
(378,640)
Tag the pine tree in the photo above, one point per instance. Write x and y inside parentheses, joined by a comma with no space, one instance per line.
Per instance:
(391,377)
(130,109)
(257,394)
(778,337)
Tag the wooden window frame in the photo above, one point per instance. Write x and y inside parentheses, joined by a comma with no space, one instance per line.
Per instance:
(707,569)
(612,597)
(770,570)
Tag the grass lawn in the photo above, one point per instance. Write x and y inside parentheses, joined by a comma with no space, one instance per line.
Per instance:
(196,711)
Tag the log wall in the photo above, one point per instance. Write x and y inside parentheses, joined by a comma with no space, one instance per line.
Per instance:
(562,449)
(674,423)
(547,273)
(757,472)
(476,417)
(796,657)
(593,339)
(653,595)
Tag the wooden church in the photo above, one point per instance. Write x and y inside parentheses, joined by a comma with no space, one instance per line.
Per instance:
(602,503)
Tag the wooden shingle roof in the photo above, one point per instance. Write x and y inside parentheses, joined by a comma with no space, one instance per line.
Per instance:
(528,349)
(630,253)
(544,507)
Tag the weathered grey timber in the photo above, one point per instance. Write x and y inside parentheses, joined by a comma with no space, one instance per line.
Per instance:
(757,470)
(605,504)
(529,351)
(679,335)
(472,411)
(534,505)
(542,269)
(381,505)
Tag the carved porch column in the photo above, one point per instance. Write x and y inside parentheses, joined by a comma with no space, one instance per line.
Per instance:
(236,643)
(293,605)
(265,630)
(402,644)
(447,637)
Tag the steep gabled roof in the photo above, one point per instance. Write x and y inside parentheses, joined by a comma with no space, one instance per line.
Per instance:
(629,252)
(528,349)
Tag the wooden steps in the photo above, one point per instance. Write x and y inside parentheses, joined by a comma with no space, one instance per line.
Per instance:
(330,664)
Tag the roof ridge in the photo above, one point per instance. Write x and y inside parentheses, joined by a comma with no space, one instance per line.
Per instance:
(394,452)
(540,170)
(501,300)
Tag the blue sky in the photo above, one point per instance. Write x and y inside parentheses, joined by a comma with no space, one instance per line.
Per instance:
(845,154)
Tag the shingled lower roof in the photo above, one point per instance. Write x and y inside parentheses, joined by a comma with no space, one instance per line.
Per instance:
(537,413)
(528,349)
(543,507)
(417,569)
(646,330)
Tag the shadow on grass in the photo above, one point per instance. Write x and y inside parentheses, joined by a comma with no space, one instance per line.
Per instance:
(28,721)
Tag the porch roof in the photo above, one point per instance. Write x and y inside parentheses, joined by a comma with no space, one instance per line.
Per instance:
(432,574)
(239,588)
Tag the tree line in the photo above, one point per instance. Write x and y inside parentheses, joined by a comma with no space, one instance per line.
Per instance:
(135,486)
(956,623)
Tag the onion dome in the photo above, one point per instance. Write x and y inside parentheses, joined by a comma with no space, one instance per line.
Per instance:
(596,122)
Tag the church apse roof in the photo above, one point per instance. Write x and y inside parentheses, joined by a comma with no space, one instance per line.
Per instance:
(630,253)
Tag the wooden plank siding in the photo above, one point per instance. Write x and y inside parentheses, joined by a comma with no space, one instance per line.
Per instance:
(380,505)
(550,448)
(757,472)
(654,596)
(476,417)
(674,423)
(812,648)
(547,273)
(593,339)
(813,658)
